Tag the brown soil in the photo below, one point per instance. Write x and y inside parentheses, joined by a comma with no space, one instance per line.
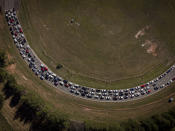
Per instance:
(24,77)
(11,68)
(142,32)
(151,47)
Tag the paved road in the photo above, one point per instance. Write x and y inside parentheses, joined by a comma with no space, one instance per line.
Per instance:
(100,95)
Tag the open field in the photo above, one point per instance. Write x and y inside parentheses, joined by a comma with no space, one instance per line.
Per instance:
(78,109)
(4,126)
(101,52)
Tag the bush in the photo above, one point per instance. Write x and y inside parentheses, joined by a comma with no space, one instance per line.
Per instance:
(2,59)
(132,125)
(3,75)
(1,101)
(10,87)
(59,66)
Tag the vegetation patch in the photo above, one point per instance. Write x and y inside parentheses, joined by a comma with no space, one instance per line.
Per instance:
(59,66)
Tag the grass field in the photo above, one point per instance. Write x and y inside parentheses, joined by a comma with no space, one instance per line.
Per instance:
(81,110)
(77,109)
(4,126)
(100,49)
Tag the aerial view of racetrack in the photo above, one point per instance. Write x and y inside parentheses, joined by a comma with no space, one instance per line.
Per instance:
(88,65)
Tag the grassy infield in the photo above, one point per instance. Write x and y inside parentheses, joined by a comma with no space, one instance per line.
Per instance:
(75,108)
(46,25)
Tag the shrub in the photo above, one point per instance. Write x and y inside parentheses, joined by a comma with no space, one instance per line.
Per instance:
(2,59)
(3,75)
(59,66)
(1,101)
(10,87)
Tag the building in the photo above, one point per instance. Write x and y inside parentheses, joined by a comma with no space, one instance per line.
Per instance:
(9,4)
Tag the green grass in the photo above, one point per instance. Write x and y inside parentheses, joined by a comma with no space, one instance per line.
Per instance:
(83,110)
(78,109)
(4,126)
(102,52)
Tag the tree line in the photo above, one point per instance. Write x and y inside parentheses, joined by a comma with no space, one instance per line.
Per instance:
(32,109)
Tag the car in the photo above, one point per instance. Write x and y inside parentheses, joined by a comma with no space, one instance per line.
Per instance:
(99,93)
(131,89)
(104,94)
(92,93)
(110,91)
(102,97)
(72,91)
(42,77)
(115,91)
(89,95)
(108,98)
(103,91)
(137,94)
(120,97)
(132,96)
(77,92)
(98,90)
(33,69)
(142,93)
(65,81)
(148,91)
(96,97)
(120,93)
(61,83)
(84,88)
(86,92)
(154,84)
(93,90)
(142,86)
(156,88)
(173,79)
(168,71)
(114,98)
(81,90)
(70,83)
(66,85)
(116,94)
(147,87)
(131,92)
(83,94)
(72,87)
(76,86)
(56,83)
(125,97)
(126,93)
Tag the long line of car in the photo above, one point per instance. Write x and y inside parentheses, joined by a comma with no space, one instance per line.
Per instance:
(42,71)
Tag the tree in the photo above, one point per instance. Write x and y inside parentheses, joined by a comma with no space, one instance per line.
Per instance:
(59,66)
(2,59)
(3,75)
(149,125)
(132,125)
(1,101)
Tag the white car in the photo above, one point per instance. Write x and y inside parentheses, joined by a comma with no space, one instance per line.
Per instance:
(61,83)
(96,97)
